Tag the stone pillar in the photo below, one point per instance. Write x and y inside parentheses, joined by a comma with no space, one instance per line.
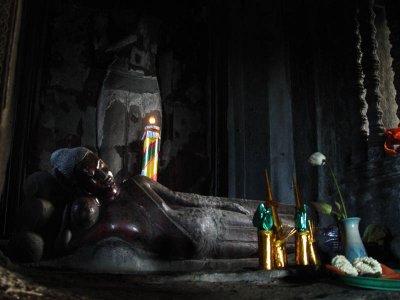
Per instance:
(218,95)
(359,122)
(10,18)
(370,65)
(394,26)
(10,28)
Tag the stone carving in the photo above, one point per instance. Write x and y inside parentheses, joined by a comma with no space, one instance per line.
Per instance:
(127,99)
(7,15)
(359,107)
(136,225)
(370,64)
(394,25)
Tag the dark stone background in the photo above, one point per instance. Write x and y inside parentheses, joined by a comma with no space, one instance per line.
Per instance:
(245,85)
(172,45)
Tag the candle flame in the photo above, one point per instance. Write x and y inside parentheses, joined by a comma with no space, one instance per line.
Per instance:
(152,120)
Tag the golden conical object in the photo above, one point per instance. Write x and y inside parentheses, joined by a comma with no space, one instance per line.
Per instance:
(270,203)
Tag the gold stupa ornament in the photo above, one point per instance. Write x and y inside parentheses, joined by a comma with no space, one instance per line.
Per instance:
(281,232)
(263,221)
(273,234)
(305,246)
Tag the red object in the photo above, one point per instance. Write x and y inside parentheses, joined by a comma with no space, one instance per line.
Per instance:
(387,273)
(392,142)
(334,270)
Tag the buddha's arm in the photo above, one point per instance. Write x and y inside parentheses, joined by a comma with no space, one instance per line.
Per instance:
(194,200)
(176,199)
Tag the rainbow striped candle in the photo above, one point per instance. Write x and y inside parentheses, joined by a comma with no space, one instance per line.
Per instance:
(151,148)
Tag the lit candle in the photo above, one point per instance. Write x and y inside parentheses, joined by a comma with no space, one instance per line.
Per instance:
(151,148)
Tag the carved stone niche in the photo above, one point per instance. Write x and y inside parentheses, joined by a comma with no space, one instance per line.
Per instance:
(127,99)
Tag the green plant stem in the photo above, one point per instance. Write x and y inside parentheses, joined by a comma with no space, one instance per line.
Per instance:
(337,187)
(335,213)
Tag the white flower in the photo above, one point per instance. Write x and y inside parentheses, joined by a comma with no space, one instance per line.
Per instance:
(341,262)
(367,265)
(317,159)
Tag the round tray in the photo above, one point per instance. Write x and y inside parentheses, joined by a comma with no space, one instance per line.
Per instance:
(371,283)
(387,284)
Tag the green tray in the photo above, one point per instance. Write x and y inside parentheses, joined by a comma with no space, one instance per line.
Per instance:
(372,283)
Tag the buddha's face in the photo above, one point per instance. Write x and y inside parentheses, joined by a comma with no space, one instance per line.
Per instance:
(94,176)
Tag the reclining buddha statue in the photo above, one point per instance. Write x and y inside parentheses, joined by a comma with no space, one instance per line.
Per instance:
(79,217)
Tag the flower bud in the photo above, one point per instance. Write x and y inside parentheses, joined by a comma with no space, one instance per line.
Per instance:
(322,207)
(326,208)
(317,159)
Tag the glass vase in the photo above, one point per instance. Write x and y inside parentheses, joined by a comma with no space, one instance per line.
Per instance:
(351,240)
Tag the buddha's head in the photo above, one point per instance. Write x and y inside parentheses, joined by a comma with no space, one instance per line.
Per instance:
(85,169)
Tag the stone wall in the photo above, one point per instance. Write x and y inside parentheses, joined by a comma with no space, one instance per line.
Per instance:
(281,90)
(10,16)
(84,39)
(292,92)
(243,86)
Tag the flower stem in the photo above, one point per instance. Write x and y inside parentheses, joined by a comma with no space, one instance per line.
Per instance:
(338,189)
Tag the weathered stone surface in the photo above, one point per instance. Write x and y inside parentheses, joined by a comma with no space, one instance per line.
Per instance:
(388,102)
(33,283)
(395,247)
(84,43)
(371,194)
(126,100)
